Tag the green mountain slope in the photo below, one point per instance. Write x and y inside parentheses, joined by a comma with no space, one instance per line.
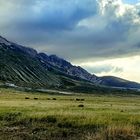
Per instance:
(25,67)
(22,69)
(20,66)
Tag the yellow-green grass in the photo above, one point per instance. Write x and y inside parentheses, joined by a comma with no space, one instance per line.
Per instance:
(60,117)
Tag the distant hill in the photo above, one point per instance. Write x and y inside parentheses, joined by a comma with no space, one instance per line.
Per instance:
(23,66)
(112,81)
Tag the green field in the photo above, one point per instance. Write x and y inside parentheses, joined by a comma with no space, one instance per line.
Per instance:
(42,116)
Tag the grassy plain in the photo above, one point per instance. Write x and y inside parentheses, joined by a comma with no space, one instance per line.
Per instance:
(42,116)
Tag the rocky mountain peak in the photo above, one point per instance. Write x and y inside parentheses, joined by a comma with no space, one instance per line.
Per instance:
(24,64)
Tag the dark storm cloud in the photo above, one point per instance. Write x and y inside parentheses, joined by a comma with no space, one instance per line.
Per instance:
(74,29)
(49,14)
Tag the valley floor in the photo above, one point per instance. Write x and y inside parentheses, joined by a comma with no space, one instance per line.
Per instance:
(39,116)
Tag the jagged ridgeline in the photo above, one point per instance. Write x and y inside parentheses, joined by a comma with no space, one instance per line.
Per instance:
(20,66)
(26,67)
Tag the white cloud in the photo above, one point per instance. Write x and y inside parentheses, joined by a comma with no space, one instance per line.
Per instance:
(127,68)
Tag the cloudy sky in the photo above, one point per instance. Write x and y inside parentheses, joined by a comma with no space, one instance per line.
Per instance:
(103,36)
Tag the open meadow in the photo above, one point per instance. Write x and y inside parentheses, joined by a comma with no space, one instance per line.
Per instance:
(43,116)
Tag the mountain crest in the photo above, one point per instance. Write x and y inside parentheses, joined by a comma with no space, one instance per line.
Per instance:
(4,41)
(26,67)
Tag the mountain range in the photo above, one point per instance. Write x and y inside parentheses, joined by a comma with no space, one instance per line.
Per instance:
(25,67)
